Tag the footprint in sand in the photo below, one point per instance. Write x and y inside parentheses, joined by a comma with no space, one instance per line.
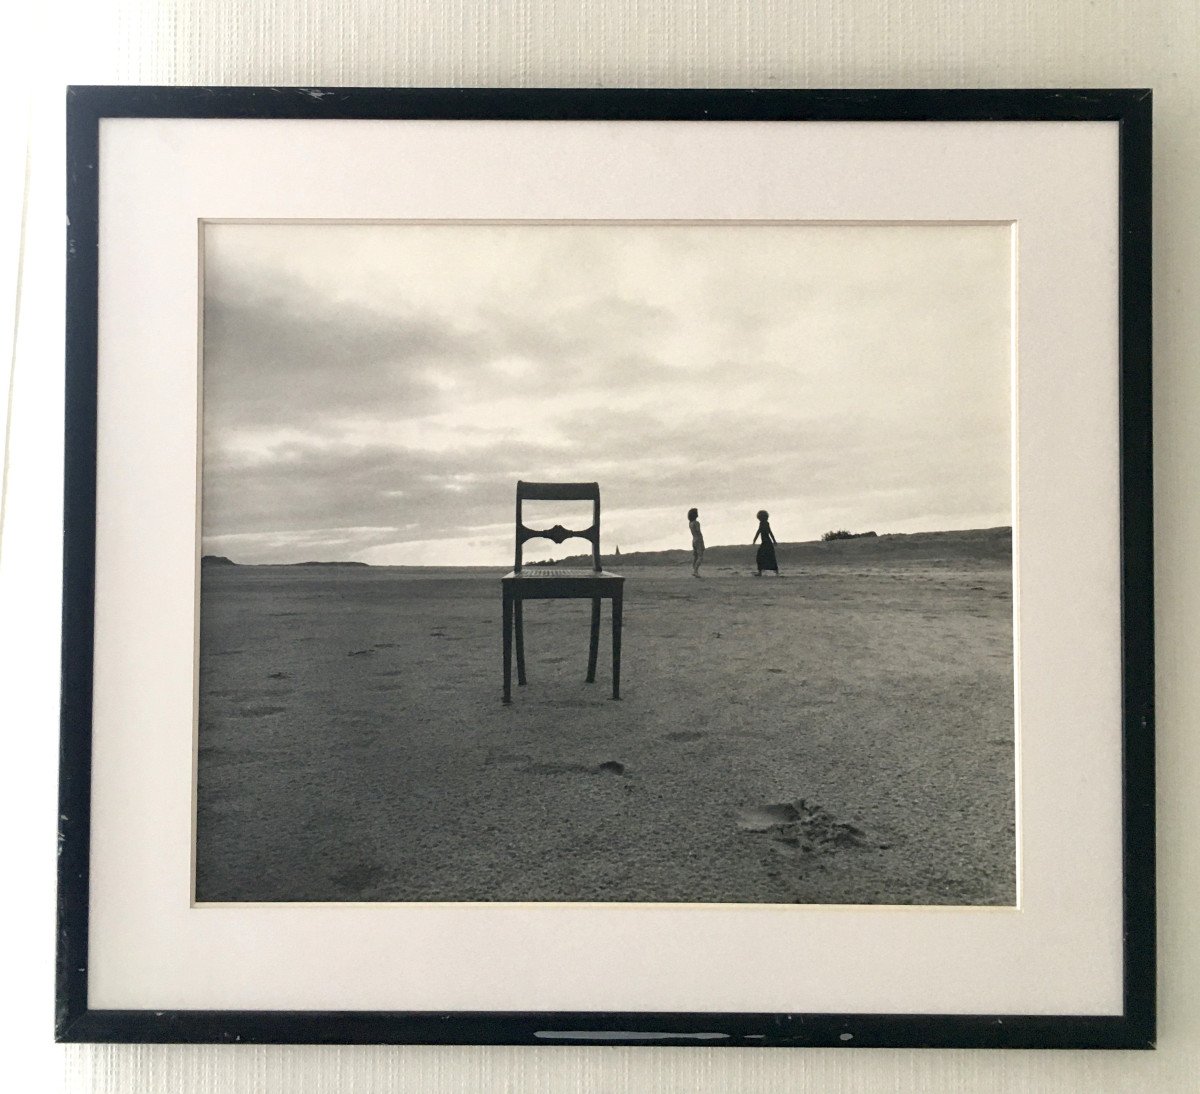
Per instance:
(776,670)
(361,653)
(802,829)
(762,818)
(556,769)
(279,675)
(608,767)
(791,846)
(684,736)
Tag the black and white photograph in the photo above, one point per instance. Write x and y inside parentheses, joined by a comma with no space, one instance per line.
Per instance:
(606,562)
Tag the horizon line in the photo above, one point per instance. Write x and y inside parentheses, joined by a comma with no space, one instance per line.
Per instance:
(605,554)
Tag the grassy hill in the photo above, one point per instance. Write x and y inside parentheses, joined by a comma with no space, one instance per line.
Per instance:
(972,547)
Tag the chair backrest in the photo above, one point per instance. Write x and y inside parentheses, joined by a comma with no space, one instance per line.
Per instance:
(559,491)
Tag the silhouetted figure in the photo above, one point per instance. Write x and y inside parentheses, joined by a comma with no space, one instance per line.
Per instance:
(765,559)
(697,541)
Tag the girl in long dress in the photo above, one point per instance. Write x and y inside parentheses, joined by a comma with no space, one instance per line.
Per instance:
(765,559)
(697,541)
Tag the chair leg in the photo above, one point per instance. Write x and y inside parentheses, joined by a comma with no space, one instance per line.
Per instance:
(519,610)
(594,642)
(616,643)
(508,620)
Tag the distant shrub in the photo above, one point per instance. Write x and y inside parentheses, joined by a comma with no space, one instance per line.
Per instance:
(843,534)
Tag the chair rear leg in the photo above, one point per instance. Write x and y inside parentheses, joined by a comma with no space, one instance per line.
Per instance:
(594,643)
(520,621)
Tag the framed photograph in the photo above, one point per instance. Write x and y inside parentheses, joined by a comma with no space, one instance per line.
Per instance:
(640,567)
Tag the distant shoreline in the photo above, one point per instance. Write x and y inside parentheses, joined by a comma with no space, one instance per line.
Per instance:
(221,560)
(900,544)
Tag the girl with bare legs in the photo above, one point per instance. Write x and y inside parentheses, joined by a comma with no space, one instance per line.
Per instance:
(697,541)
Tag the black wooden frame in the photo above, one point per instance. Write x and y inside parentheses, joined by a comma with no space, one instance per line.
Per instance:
(1134,1028)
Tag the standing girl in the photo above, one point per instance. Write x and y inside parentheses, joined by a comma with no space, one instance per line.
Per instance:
(765,558)
(697,541)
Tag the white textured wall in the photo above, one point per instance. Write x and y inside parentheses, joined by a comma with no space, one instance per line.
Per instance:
(609,43)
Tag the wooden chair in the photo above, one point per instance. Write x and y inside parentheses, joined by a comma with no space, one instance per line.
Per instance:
(560,582)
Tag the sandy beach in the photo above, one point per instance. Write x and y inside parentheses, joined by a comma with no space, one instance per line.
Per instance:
(842,734)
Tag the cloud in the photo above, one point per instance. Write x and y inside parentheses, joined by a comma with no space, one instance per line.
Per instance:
(376,393)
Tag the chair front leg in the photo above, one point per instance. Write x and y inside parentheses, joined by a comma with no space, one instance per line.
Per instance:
(519,608)
(594,642)
(507,624)
(616,644)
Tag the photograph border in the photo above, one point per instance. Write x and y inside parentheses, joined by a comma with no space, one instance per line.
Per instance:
(1134,1028)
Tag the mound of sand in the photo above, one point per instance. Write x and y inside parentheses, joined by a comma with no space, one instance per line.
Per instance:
(970,547)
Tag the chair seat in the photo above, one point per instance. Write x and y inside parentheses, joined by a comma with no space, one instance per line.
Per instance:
(561,582)
(529,573)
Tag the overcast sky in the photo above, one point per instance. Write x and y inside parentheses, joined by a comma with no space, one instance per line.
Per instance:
(373,392)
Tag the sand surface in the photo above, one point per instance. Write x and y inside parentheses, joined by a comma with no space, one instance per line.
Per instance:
(843,734)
